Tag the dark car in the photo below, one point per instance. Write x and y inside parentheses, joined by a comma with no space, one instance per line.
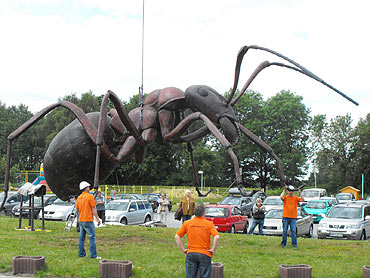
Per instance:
(13,199)
(153,200)
(48,200)
(245,204)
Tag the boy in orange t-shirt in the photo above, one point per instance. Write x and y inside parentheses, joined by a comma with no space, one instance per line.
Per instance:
(290,213)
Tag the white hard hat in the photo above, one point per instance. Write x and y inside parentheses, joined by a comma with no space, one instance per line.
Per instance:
(291,188)
(187,191)
(84,184)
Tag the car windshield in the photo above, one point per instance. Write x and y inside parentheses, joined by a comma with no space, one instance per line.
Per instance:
(37,201)
(217,212)
(345,212)
(60,202)
(274,214)
(310,194)
(316,205)
(117,206)
(273,202)
(344,197)
(230,201)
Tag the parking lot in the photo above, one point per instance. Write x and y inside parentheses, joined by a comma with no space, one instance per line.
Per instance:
(172,223)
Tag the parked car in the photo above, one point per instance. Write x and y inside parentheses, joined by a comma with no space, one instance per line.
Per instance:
(13,199)
(48,200)
(59,210)
(316,208)
(313,194)
(128,212)
(153,200)
(273,202)
(227,218)
(120,196)
(332,201)
(346,221)
(345,197)
(274,225)
(245,204)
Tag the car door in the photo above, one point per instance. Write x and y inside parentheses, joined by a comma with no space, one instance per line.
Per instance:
(132,214)
(234,218)
(239,226)
(303,222)
(141,211)
(367,221)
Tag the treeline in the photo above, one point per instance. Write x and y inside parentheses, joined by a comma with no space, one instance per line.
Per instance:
(341,152)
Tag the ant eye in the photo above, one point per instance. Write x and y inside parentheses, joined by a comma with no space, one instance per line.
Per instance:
(203,92)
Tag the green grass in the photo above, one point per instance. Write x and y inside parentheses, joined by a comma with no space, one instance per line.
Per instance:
(154,253)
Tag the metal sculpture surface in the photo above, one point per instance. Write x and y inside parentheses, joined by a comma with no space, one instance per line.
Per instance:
(92,146)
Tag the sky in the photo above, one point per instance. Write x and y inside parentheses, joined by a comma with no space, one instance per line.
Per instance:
(53,48)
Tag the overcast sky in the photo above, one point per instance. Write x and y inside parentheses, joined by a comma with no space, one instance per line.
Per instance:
(52,48)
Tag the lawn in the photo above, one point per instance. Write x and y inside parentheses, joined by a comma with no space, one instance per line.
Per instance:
(154,253)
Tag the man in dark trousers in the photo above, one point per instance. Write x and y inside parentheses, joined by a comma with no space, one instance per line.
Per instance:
(85,205)
(290,213)
(199,253)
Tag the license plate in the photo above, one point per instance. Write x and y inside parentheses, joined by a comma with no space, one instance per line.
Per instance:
(336,234)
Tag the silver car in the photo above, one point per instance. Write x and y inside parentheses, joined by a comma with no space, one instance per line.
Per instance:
(346,221)
(273,202)
(128,212)
(273,224)
(59,210)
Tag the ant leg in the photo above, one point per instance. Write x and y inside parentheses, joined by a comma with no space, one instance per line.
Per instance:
(266,148)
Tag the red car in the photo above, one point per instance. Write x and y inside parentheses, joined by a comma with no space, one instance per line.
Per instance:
(227,218)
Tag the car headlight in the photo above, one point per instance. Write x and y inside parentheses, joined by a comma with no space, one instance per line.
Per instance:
(352,226)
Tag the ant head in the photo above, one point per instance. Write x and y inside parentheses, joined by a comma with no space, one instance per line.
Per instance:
(206,100)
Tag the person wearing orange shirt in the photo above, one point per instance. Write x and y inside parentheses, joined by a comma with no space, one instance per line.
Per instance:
(199,253)
(290,213)
(85,205)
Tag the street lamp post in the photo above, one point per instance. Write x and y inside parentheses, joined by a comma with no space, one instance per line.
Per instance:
(201,184)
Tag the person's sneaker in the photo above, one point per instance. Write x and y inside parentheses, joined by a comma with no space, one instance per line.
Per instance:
(282,246)
(295,246)
(97,258)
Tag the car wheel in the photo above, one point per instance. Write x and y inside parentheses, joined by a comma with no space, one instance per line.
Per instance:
(363,235)
(245,231)
(124,221)
(147,219)
(310,231)
(232,230)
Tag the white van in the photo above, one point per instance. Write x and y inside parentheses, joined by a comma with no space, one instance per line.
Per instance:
(313,194)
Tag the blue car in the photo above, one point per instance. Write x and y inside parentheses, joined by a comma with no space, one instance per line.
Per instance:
(316,207)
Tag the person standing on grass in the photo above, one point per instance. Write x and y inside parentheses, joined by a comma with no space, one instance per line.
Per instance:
(199,253)
(100,206)
(187,203)
(85,205)
(258,217)
(162,209)
(290,213)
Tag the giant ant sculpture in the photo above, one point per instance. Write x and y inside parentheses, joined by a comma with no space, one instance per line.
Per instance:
(75,152)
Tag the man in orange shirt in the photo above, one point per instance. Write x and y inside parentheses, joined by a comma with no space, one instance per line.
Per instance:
(199,252)
(85,205)
(290,213)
